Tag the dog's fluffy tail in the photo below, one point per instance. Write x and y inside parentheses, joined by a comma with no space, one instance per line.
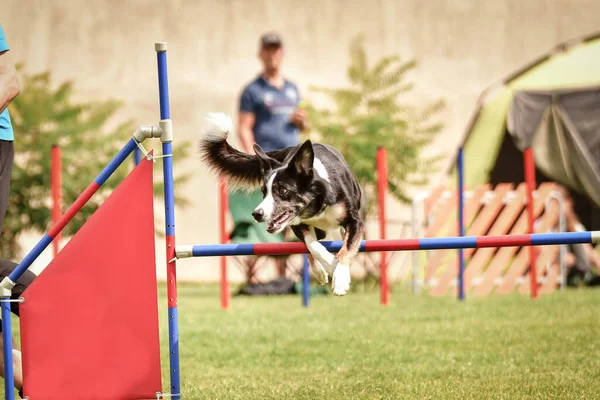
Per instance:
(241,170)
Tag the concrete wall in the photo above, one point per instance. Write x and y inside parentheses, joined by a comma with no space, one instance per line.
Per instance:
(106,47)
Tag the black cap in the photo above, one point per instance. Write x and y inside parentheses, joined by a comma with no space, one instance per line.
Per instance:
(270,39)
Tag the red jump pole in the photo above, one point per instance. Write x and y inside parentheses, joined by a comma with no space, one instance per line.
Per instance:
(56,184)
(530,180)
(223,208)
(382,188)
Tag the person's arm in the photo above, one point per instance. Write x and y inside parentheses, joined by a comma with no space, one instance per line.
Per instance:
(9,81)
(299,118)
(246,120)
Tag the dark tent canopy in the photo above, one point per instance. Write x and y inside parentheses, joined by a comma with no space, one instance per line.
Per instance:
(552,105)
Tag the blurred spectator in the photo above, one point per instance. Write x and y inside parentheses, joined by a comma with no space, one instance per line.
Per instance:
(9,89)
(269,112)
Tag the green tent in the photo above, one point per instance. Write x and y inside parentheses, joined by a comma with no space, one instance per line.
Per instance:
(551,105)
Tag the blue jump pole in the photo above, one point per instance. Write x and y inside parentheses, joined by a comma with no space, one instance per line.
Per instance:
(456,242)
(39,248)
(305,283)
(461,222)
(9,378)
(169,200)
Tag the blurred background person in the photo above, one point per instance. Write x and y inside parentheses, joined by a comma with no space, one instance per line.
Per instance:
(269,112)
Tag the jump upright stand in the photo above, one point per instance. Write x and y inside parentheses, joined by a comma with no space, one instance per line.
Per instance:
(169,200)
(164,131)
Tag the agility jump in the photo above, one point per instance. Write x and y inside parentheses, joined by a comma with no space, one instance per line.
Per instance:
(457,242)
(104,340)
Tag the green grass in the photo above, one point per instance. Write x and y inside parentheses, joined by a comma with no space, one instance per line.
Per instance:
(498,347)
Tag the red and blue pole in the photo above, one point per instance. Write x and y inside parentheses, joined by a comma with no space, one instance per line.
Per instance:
(224,207)
(9,377)
(529,165)
(41,246)
(56,188)
(457,242)
(73,209)
(461,222)
(382,188)
(305,283)
(137,156)
(169,200)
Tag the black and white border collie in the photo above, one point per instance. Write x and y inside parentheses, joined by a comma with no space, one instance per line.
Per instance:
(308,187)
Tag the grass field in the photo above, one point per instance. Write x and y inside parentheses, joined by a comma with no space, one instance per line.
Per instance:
(498,347)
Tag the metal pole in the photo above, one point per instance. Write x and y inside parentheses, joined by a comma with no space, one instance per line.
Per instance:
(461,222)
(382,179)
(531,184)
(305,283)
(169,199)
(562,227)
(464,242)
(56,185)
(224,206)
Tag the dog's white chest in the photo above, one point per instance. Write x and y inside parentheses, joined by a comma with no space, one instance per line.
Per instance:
(327,220)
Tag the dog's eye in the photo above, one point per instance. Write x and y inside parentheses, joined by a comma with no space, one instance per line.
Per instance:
(282,191)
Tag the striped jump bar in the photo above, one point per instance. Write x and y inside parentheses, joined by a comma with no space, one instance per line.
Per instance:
(73,209)
(457,242)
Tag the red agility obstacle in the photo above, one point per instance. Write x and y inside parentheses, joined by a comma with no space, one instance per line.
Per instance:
(89,323)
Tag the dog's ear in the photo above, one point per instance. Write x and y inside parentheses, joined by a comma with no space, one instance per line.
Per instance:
(264,160)
(302,162)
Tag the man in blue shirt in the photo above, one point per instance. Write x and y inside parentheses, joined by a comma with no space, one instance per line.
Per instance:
(9,89)
(269,113)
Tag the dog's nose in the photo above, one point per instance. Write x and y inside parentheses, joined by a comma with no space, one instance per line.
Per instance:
(258,214)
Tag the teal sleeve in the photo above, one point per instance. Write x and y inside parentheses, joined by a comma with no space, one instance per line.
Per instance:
(3,42)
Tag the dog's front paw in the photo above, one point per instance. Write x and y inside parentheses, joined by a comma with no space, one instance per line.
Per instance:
(340,281)
(320,273)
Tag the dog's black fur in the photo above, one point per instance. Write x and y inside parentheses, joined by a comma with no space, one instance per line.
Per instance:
(311,185)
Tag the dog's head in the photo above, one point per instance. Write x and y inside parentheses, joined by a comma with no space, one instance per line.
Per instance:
(286,187)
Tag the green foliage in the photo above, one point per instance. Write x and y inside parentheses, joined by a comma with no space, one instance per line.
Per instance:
(43,116)
(370,113)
